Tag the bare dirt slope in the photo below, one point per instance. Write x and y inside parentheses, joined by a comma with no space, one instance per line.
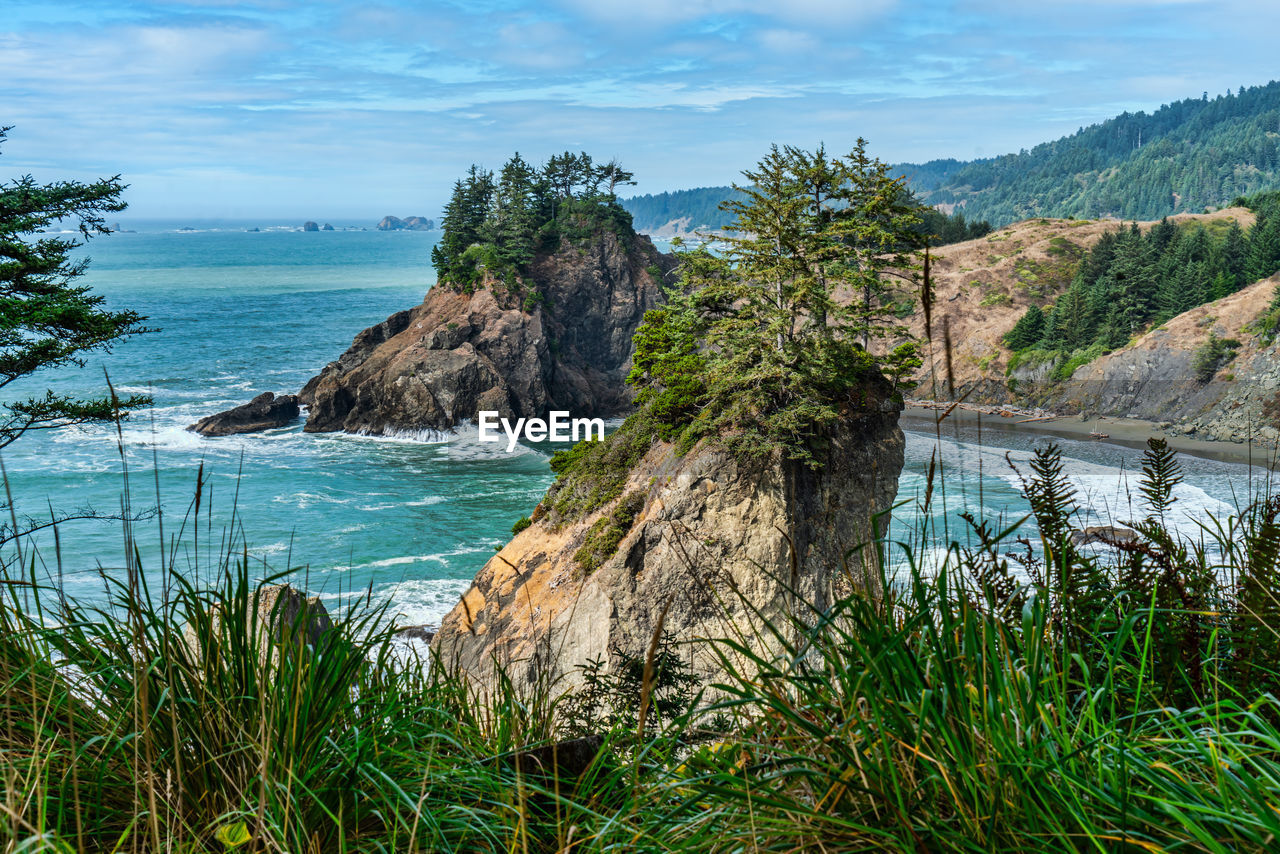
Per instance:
(981,287)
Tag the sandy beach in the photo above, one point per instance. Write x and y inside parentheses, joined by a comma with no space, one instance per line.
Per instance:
(1128,432)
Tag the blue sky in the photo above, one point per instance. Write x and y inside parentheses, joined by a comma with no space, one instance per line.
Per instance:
(351,110)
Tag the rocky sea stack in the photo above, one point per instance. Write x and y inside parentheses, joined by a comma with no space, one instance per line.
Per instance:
(559,338)
(267,411)
(704,541)
(412,223)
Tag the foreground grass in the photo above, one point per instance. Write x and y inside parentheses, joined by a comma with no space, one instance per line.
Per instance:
(1125,699)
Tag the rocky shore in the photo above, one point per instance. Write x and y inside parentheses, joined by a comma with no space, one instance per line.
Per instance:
(267,411)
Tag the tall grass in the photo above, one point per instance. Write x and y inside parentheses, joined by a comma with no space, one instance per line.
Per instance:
(1060,698)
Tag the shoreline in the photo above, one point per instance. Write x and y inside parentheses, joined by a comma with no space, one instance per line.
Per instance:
(922,416)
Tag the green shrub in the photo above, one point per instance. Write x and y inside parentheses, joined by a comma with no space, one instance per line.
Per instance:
(1212,355)
(521,523)
(1077,360)
(591,474)
(601,540)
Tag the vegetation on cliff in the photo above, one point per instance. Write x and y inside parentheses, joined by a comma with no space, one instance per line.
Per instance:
(495,226)
(1183,157)
(756,346)
(1132,280)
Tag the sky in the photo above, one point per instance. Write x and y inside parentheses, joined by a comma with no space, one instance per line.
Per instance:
(347,110)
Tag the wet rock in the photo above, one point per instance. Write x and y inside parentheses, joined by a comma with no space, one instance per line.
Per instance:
(264,412)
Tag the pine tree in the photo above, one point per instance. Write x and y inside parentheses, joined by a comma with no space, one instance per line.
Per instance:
(779,356)
(876,222)
(1264,247)
(1027,331)
(1235,250)
(513,222)
(457,235)
(48,320)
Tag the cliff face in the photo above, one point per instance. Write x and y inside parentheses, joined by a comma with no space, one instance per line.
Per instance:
(703,535)
(1156,377)
(435,365)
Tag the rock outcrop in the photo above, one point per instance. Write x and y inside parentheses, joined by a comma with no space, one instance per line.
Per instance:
(1156,377)
(280,614)
(413,223)
(563,341)
(310,226)
(704,542)
(265,412)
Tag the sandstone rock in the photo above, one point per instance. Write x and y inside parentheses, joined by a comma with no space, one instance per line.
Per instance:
(264,412)
(712,541)
(436,365)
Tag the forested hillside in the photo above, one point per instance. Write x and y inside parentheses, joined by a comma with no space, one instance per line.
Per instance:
(1133,279)
(1183,157)
(699,209)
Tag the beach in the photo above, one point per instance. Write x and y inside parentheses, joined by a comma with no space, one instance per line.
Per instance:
(1126,432)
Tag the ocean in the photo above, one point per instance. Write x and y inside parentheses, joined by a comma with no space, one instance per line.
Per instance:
(409,522)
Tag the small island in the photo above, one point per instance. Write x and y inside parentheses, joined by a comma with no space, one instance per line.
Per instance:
(413,223)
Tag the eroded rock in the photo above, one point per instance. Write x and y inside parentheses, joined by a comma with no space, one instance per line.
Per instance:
(497,348)
(711,540)
(267,411)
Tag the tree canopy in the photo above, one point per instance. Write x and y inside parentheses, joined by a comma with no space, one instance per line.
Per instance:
(703,210)
(496,225)
(764,345)
(47,320)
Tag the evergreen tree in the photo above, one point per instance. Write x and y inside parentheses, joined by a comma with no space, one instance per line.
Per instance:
(1028,331)
(613,176)
(494,227)
(1264,248)
(513,222)
(49,321)
(1235,250)
(777,357)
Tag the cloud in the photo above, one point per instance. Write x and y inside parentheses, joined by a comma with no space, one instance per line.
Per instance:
(200,102)
(667,12)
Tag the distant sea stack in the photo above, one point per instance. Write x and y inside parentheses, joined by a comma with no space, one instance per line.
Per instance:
(310,226)
(560,338)
(700,544)
(413,223)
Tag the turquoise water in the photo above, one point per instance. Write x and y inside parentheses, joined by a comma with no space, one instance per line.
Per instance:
(240,313)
